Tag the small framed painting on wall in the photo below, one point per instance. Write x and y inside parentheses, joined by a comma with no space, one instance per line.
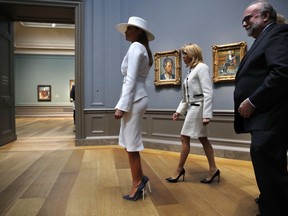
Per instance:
(44,92)
(167,68)
(226,60)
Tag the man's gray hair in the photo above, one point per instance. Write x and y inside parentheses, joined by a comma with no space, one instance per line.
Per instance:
(265,7)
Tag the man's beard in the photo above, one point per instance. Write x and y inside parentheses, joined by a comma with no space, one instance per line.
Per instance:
(254,27)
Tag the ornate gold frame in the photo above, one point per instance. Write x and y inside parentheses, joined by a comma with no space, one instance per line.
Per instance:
(226,59)
(159,58)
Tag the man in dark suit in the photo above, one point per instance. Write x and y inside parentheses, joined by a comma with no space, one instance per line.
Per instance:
(72,96)
(261,105)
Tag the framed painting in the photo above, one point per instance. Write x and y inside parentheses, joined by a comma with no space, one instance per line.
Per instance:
(226,60)
(44,92)
(167,68)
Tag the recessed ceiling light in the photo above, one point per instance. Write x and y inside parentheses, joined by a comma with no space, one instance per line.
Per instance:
(47,25)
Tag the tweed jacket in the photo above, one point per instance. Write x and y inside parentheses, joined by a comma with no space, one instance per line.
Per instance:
(197,86)
(135,68)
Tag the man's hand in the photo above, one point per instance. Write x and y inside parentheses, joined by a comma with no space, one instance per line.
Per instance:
(246,109)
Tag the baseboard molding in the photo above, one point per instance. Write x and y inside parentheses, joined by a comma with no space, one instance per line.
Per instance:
(239,153)
(47,111)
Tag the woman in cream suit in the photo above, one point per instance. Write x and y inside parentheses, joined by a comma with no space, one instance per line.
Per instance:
(133,101)
(197,102)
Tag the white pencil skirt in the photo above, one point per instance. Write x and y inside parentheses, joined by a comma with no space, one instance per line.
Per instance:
(193,124)
(130,136)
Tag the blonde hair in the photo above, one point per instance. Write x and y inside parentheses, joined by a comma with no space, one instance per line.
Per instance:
(194,52)
(281,19)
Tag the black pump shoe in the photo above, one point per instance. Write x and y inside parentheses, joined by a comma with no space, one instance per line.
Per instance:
(135,197)
(140,190)
(209,181)
(171,180)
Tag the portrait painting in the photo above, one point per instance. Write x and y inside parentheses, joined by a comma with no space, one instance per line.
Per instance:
(44,92)
(226,60)
(167,68)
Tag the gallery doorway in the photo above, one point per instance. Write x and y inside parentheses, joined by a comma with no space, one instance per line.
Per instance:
(33,11)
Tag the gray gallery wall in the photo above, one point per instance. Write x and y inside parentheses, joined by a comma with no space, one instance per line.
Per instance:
(174,23)
(34,70)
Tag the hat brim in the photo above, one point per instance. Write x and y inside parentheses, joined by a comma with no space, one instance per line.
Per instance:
(121,27)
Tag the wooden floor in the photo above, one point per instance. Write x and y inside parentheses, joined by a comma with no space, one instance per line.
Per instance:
(43,173)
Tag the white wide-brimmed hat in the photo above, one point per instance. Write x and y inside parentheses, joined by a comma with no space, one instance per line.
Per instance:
(138,22)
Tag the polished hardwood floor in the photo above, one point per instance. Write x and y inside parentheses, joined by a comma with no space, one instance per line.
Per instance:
(43,173)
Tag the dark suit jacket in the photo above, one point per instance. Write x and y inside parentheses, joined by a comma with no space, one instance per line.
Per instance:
(72,93)
(263,77)
(162,77)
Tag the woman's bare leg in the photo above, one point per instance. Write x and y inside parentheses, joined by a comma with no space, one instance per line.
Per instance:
(185,150)
(136,171)
(209,152)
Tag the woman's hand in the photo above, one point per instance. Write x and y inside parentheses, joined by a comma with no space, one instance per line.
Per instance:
(118,114)
(205,121)
(175,116)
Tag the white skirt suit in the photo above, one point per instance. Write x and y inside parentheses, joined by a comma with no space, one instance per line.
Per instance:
(196,101)
(133,100)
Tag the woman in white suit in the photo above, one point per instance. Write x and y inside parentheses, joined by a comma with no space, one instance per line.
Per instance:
(133,101)
(197,102)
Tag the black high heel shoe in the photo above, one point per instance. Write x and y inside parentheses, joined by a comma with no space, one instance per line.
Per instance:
(171,180)
(134,197)
(145,180)
(208,181)
(140,190)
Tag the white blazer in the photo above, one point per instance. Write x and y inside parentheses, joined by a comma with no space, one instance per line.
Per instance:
(197,87)
(135,68)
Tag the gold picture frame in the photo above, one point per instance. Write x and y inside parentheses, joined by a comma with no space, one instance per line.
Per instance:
(226,60)
(167,68)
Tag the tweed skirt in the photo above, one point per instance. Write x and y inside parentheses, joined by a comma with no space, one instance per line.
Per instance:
(193,124)
(130,136)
